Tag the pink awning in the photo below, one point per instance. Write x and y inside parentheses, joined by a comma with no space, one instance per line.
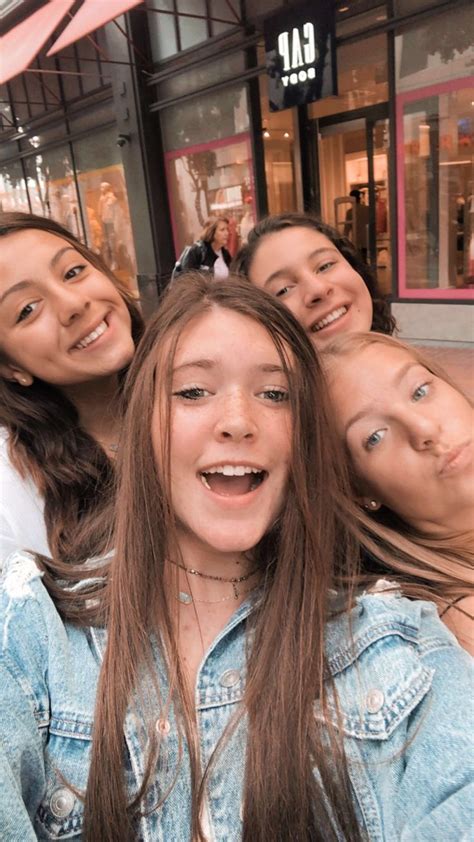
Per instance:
(21,44)
(91,15)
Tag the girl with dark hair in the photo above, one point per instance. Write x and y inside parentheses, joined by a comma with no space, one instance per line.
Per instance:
(212,679)
(317,274)
(409,435)
(67,330)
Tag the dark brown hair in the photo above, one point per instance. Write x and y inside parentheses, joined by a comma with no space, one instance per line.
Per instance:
(306,552)
(71,471)
(210,227)
(382,320)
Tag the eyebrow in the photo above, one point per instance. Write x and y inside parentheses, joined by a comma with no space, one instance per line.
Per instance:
(266,368)
(285,271)
(25,284)
(397,379)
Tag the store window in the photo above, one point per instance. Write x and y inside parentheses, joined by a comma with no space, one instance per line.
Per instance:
(209,165)
(13,192)
(435,157)
(282,156)
(52,188)
(104,201)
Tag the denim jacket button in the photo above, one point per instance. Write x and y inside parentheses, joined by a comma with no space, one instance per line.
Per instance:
(163,727)
(62,802)
(229,678)
(374,701)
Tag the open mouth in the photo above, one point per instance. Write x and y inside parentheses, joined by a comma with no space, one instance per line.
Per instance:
(232,480)
(92,337)
(329,319)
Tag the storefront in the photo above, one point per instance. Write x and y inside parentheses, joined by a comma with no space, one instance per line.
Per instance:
(398,136)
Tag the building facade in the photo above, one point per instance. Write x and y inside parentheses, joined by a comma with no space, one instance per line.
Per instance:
(133,137)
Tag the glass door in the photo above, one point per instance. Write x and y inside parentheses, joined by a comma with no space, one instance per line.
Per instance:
(354,186)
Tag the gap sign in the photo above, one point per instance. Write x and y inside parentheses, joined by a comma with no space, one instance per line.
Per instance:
(300,54)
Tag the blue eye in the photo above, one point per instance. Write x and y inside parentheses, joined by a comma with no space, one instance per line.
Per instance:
(73,272)
(191,394)
(421,392)
(374,439)
(275,395)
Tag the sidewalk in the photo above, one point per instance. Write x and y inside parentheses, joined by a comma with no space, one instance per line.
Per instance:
(458,363)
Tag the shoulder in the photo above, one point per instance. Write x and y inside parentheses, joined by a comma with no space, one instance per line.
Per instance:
(388,656)
(23,597)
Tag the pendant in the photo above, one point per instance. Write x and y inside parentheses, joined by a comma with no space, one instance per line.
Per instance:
(185,598)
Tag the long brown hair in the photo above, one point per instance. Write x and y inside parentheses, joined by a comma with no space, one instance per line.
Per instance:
(71,471)
(210,227)
(305,554)
(424,566)
(382,319)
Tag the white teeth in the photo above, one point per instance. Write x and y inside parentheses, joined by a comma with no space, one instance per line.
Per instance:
(232,470)
(332,317)
(205,482)
(100,329)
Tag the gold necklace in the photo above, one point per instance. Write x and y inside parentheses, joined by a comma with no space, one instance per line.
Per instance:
(233,580)
(187,599)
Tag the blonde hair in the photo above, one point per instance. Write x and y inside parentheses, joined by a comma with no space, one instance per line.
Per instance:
(425,566)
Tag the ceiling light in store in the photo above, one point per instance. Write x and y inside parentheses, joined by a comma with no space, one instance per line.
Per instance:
(344,9)
(286,134)
(266,133)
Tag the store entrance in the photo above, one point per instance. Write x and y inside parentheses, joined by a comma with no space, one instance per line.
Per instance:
(353,155)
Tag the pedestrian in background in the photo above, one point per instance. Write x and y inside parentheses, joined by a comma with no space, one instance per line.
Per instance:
(209,252)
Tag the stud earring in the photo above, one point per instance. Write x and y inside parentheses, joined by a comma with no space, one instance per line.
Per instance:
(24,380)
(372,505)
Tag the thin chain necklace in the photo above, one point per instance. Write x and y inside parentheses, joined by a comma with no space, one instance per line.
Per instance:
(187,599)
(233,580)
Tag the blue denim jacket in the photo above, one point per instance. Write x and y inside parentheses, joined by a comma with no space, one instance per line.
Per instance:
(405,691)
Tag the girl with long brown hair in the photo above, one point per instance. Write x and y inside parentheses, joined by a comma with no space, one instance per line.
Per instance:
(409,434)
(217,677)
(67,330)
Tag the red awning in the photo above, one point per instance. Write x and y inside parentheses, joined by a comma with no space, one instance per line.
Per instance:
(21,44)
(91,15)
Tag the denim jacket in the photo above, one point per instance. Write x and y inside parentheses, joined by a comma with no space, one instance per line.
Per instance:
(404,688)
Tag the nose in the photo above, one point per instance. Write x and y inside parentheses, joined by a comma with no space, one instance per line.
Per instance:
(71,304)
(424,431)
(316,288)
(236,421)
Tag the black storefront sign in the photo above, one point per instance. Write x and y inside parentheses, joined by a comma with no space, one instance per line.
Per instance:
(300,54)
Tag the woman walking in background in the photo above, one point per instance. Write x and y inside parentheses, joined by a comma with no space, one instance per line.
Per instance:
(68,330)
(209,252)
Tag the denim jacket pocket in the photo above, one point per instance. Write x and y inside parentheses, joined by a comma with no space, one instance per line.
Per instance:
(67,756)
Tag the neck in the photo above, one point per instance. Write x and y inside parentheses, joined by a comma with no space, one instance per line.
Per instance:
(212,563)
(96,403)
(458,523)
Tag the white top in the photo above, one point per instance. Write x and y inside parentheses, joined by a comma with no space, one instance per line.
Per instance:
(220,269)
(22,523)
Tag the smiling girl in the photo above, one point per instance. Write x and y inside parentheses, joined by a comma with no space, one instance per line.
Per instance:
(212,680)
(67,330)
(410,435)
(317,274)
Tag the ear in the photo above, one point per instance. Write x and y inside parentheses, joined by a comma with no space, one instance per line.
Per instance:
(16,375)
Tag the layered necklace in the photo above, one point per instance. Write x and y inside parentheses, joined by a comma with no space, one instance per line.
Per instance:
(187,598)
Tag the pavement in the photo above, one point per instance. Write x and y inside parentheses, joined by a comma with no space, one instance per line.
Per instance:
(457,362)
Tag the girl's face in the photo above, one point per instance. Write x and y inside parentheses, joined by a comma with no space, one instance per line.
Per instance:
(61,319)
(222,235)
(410,436)
(310,275)
(230,433)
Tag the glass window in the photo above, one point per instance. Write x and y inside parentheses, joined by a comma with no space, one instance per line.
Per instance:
(281,148)
(52,189)
(361,77)
(104,202)
(435,156)
(13,194)
(209,165)
(180,24)
(192,30)
(162,28)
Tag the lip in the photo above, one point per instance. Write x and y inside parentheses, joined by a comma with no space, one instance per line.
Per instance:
(105,318)
(332,326)
(234,501)
(455,460)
